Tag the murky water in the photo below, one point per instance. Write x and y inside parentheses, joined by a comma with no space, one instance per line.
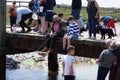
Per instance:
(85,70)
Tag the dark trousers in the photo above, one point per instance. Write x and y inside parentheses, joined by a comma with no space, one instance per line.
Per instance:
(69,77)
(23,19)
(92,26)
(51,40)
(113,73)
(12,21)
(102,73)
(118,72)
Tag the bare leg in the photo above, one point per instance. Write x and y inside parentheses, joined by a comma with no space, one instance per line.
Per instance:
(64,41)
(69,41)
(43,26)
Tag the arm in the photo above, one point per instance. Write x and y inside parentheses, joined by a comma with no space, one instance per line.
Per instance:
(19,16)
(98,9)
(101,57)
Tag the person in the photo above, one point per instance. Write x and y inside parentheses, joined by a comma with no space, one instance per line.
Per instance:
(58,30)
(106,59)
(49,13)
(109,22)
(73,33)
(93,15)
(115,70)
(68,64)
(13,16)
(42,13)
(76,8)
(23,14)
(31,4)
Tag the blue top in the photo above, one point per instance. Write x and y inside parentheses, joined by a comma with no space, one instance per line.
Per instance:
(106,19)
(35,7)
(73,29)
(106,58)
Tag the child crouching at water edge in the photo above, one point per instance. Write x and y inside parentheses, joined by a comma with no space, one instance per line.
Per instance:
(73,33)
(68,64)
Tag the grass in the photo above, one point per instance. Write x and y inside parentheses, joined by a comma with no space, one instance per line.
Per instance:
(66,10)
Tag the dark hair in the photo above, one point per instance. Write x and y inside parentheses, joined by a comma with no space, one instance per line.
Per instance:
(70,18)
(14,2)
(60,14)
(70,48)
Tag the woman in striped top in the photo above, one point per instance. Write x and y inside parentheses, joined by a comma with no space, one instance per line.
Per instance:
(73,33)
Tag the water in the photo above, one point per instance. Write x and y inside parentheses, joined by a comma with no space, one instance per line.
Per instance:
(86,69)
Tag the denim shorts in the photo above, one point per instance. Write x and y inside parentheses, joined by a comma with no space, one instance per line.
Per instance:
(73,37)
(75,13)
(43,14)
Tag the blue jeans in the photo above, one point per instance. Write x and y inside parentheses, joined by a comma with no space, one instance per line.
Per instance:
(102,73)
(92,26)
(75,13)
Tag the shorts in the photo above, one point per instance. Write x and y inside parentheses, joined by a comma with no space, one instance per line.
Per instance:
(49,16)
(43,14)
(111,24)
(73,36)
(75,13)
(69,77)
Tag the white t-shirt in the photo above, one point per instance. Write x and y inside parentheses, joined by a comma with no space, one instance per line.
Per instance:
(68,60)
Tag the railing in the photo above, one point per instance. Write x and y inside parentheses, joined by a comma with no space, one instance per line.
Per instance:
(20,3)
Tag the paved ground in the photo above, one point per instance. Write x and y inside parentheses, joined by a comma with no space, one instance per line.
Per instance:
(84,35)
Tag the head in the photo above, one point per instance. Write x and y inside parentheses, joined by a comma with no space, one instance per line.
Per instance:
(70,19)
(56,18)
(89,0)
(71,50)
(60,15)
(108,42)
(113,45)
(14,2)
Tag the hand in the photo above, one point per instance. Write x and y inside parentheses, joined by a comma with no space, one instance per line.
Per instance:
(114,63)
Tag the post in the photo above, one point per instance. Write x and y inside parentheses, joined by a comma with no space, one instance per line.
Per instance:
(2,37)
(52,64)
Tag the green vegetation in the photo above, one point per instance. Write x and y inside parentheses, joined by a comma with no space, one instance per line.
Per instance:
(66,10)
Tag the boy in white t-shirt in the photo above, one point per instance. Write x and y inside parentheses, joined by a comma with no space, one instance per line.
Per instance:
(68,64)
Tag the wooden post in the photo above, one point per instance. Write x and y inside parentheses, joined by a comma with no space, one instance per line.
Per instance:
(52,63)
(2,37)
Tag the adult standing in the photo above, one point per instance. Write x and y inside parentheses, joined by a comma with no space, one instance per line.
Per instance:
(23,14)
(13,16)
(49,13)
(93,15)
(115,70)
(76,8)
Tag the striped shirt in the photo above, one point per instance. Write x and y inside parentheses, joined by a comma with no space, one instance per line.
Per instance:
(73,29)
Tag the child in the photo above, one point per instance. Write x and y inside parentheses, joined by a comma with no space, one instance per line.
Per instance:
(106,59)
(109,22)
(68,64)
(13,16)
(73,33)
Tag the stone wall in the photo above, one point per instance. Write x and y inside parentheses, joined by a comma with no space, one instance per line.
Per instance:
(85,48)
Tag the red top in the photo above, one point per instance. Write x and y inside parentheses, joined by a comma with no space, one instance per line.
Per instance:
(13,14)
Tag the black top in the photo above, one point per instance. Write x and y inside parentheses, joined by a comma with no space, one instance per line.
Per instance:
(44,5)
(91,9)
(50,4)
(31,4)
(76,4)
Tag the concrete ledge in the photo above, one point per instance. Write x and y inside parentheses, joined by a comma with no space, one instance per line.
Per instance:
(85,48)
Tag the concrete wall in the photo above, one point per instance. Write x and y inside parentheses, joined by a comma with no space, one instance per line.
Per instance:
(85,48)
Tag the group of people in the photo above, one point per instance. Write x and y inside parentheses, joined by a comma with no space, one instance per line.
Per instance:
(53,25)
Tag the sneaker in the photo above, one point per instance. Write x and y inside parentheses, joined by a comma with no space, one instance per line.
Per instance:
(29,29)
